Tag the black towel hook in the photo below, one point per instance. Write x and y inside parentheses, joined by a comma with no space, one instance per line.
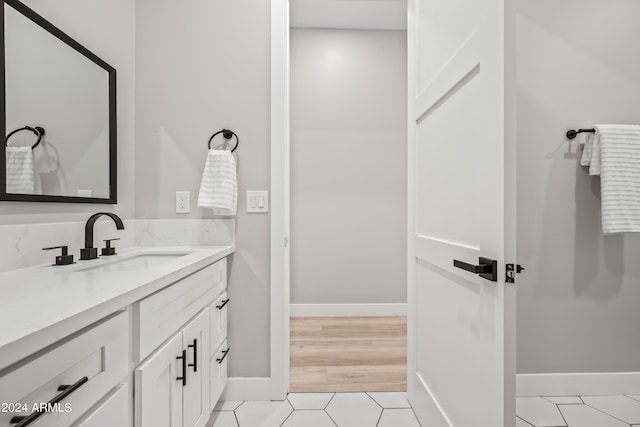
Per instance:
(227,135)
(38,131)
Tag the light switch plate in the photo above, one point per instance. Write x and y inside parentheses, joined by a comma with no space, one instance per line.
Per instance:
(257,201)
(183,201)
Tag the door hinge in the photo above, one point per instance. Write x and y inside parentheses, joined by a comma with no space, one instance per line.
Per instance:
(512,269)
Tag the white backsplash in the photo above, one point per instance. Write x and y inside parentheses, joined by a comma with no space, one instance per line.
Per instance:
(184,232)
(21,245)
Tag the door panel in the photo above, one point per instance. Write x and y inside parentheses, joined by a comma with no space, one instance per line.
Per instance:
(443,210)
(461,210)
(443,27)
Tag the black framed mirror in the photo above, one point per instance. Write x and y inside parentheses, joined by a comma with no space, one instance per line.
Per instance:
(58,114)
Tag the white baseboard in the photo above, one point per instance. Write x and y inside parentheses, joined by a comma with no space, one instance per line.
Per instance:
(238,389)
(348,310)
(605,383)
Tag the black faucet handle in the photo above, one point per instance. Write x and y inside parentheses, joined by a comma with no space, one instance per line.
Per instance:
(108,250)
(64,258)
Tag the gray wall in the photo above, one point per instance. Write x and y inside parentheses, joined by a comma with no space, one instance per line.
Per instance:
(348,166)
(578,300)
(198,69)
(107,28)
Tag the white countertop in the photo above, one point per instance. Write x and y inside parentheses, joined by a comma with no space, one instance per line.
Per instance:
(40,305)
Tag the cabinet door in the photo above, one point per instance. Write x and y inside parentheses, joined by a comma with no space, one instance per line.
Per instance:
(158,391)
(195,338)
(114,411)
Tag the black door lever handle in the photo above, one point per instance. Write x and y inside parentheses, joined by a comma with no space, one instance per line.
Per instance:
(486,268)
(482,268)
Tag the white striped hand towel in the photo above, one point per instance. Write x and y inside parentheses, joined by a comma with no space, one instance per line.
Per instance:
(613,152)
(20,170)
(219,185)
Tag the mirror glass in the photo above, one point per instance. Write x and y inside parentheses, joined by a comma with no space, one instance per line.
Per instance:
(59,114)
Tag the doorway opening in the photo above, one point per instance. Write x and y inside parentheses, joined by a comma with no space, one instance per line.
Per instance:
(348,190)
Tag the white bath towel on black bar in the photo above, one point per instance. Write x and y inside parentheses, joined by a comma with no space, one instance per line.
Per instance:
(613,152)
(20,170)
(219,185)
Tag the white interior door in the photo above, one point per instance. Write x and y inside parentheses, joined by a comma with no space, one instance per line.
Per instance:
(462,207)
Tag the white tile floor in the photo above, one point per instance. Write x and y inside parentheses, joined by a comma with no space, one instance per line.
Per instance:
(578,411)
(393,410)
(319,410)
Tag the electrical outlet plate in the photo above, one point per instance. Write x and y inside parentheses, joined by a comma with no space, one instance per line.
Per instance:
(257,201)
(183,202)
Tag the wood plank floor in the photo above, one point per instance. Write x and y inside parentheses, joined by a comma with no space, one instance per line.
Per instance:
(348,354)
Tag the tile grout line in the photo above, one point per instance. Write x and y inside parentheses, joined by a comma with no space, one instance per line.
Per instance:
(380,417)
(236,415)
(562,415)
(414,414)
(524,421)
(330,417)
(330,399)
(374,401)
(606,413)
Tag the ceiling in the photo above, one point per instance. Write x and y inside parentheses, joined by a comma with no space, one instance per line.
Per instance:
(349,14)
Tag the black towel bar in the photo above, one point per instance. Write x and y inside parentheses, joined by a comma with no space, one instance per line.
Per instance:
(571,134)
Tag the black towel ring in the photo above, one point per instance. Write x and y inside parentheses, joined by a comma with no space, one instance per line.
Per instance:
(38,131)
(227,135)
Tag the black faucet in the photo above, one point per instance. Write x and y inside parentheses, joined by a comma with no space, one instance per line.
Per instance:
(89,252)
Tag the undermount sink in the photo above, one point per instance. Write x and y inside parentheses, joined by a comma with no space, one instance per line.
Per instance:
(136,262)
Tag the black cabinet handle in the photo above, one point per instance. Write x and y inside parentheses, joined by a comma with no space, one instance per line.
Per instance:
(183,378)
(23,421)
(224,354)
(486,268)
(194,346)
(219,307)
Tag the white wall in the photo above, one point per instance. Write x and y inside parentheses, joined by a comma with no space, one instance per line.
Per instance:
(348,166)
(201,68)
(107,28)
(577,310)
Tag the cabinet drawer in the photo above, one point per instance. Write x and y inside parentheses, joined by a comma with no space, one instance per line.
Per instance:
(218,371)
(113,411)
(218,327)
(165,312)
(101,355)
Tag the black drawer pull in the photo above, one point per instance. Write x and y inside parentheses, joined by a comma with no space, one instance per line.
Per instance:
(224,354)
(22,421)
(194,346)
(183,378)
(219,307)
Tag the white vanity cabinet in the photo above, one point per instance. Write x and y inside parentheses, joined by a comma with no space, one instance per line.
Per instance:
(101,347)
(173,383)
(77,373)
